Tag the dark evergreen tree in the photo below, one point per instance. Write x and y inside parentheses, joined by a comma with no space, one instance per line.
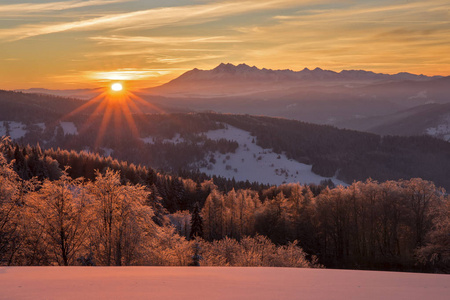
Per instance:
(196,223)
(196,257)
(154,201)
(7,128)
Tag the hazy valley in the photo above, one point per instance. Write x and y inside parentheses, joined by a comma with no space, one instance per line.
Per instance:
(355,99)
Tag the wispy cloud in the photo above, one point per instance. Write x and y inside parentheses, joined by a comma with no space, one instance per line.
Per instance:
(180,59)
(410,36)
(126,74)
(26,8)
(151,18)
(96,77)
(164,40)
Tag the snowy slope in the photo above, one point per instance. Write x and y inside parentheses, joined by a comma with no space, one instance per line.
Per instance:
(69,128)
(253,163)
(16,129)
(216,283)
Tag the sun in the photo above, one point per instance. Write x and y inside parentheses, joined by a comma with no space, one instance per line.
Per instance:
(117,87)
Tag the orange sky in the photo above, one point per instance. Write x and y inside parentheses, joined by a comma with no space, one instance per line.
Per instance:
(85,44)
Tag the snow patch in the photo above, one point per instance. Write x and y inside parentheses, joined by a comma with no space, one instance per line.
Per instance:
(252,162)
(69,128)
(16,129)
(291,105)
(440,131)
(108,151)
(419,95)
(41,125)
(149,140)
(177,139)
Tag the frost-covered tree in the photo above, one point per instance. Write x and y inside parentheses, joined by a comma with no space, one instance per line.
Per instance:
(121,220)
(181,220)
(167,248)
(436,251)
(60,210)
(213,216)
(10,206)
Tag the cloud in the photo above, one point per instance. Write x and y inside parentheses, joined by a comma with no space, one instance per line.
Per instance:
(163,40)
(152,18)
(26,8)
(126,74)
(411,37)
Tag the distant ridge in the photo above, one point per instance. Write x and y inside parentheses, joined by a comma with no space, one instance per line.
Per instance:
(229,79)
(84,94)
(227,71)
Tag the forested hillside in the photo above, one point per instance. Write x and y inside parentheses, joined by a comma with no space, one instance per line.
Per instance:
(352,155)
(174,142)
(122,214)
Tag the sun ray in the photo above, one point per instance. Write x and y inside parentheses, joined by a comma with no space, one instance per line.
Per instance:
(117,124)
(132,125)
(91,102)
(145,103)
(87,124)
(114,107)
(103,126)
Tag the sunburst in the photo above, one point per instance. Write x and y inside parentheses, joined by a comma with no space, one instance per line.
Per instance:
(115,103)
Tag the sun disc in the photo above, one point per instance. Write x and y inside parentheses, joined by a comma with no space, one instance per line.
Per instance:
(116,87)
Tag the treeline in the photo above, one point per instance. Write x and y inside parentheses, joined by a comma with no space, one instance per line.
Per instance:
(347,154)
(177,192)
(394,225)
(105,222)
(34,108)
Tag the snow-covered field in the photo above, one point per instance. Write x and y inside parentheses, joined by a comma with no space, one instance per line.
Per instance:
(216,283)
(16,129)
(254,163)
(69,127)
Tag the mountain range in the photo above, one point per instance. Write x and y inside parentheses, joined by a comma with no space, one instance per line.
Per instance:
(229,79)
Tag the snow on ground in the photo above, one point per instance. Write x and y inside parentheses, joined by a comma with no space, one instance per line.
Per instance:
(69,128)
(40,125)
(440,131)
(419,95)
(254,163)
(16,129)
(216,283)
(148,140)
(108,151)
(175,140)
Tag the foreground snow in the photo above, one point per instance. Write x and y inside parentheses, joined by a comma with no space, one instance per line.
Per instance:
(215,283)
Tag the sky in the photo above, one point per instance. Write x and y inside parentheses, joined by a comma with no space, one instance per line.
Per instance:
(86,44)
